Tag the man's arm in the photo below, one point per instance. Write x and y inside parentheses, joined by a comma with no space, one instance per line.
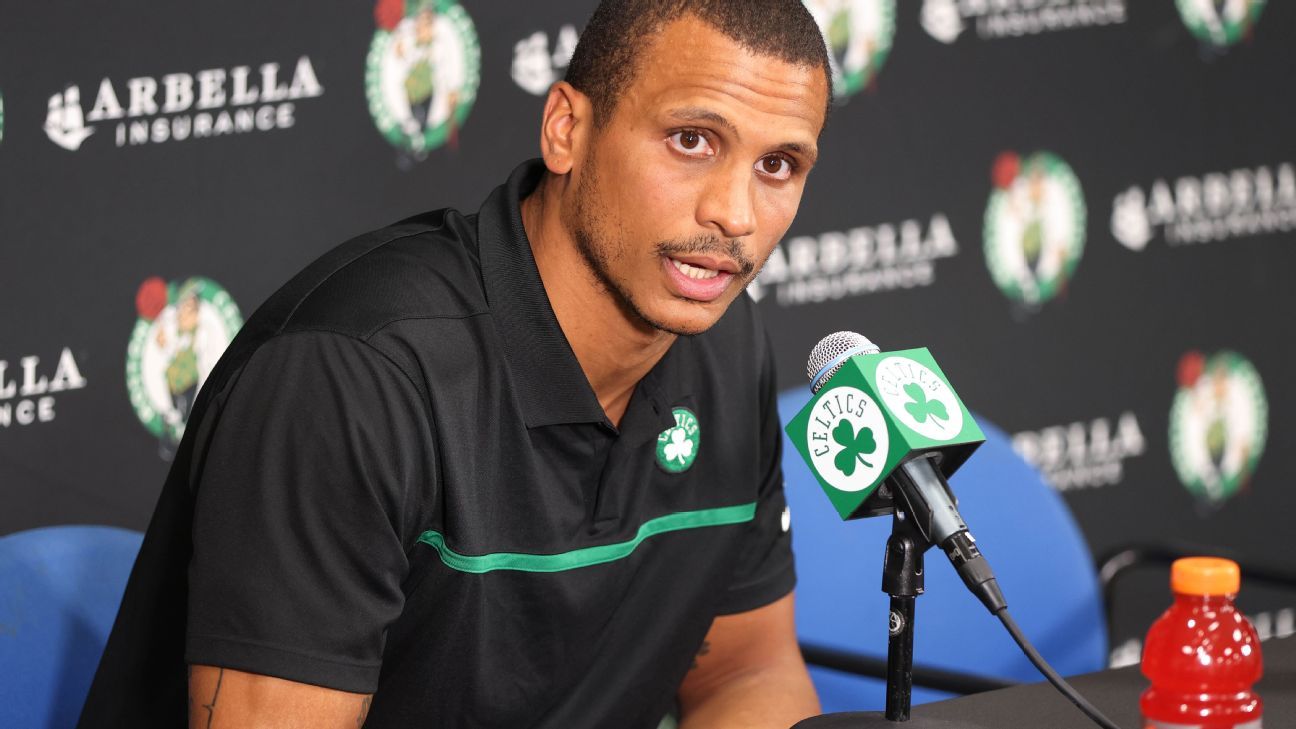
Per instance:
(223,697)
(300,529)
(749,673)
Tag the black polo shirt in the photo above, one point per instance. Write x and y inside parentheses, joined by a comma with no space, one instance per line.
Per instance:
(399,481)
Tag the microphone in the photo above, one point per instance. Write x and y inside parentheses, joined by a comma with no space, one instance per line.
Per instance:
(881,434)
(923,493)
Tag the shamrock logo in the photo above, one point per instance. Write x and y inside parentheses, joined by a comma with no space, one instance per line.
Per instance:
(855,445)
(680,448)
(920,407)
(677,446)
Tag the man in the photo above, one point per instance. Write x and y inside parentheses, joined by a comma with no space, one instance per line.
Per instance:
(518,469)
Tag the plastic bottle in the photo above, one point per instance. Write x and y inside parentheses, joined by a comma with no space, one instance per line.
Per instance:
(1202,655)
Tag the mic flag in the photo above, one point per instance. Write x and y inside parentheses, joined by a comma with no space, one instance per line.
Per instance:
(877,412)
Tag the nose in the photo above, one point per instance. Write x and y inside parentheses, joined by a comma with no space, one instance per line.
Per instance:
(728,203)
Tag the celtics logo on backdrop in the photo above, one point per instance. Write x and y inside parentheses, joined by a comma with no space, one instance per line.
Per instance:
(1218,424)
(677,446)
(1034,226)
(183,329)
(847,439)
(422,72)
(1220,22)
(858,34)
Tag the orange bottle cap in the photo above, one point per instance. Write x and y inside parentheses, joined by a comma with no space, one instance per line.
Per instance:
(1205,576)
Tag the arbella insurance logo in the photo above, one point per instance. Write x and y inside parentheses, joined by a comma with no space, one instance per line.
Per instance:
(422,72)
(1034,227)
(858,34)
(182,330)
(864,260)
(536,66)
(1220,23)
(210,103)
(1218,424)
(1213,207)
(1083,454)
(946,20)
(27,392)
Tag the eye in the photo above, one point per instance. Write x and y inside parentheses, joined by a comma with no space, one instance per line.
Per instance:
(776,166)
(691,142)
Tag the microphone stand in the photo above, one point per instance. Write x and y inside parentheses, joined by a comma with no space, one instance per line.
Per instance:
(902,579)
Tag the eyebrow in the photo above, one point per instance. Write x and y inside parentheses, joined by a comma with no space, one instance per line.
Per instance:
(699,114)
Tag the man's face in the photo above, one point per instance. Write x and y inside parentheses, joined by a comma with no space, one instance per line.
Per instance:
(683,193)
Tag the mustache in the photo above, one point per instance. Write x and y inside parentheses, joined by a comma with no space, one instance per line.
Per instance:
(704,244)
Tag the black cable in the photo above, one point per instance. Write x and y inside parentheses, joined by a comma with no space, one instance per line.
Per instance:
(1058,682)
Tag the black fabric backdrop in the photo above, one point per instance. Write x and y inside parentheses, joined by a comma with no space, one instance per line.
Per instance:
(1166,118)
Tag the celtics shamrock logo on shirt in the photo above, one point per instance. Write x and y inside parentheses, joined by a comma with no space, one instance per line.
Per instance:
(677,446)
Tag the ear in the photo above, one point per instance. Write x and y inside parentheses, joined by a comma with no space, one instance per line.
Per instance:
(564,129)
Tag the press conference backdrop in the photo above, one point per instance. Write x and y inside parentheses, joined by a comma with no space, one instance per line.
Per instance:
(1085,208)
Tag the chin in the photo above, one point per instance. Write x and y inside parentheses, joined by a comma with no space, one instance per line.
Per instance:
(686,318)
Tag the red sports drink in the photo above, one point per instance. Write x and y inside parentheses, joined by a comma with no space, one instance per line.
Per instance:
(1202,655)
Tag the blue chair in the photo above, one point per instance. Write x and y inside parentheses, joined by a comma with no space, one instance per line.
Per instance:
(1024,529)
(59,592)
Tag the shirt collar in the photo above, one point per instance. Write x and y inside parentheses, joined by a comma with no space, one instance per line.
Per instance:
(550,384)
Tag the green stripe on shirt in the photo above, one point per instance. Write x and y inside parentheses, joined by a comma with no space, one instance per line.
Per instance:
(586,556)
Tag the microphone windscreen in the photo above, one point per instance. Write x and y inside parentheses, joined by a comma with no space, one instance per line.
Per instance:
(831,353)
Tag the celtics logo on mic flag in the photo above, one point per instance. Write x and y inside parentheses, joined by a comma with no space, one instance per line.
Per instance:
(920,398)
(877,412)
(848,440)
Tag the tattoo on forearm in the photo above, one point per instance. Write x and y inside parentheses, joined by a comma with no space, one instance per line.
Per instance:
(705,649)
(364,711)
(211,707)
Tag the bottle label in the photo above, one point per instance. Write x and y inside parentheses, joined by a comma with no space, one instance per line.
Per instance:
(1150,724)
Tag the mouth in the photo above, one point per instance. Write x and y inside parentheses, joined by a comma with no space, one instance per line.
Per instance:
(700,278)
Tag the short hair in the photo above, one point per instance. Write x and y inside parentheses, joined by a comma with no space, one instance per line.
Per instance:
(607,56)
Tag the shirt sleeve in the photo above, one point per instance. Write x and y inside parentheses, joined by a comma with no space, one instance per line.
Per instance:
(309,462)
(765,570)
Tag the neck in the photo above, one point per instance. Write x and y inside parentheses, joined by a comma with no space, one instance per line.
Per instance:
(615,348)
